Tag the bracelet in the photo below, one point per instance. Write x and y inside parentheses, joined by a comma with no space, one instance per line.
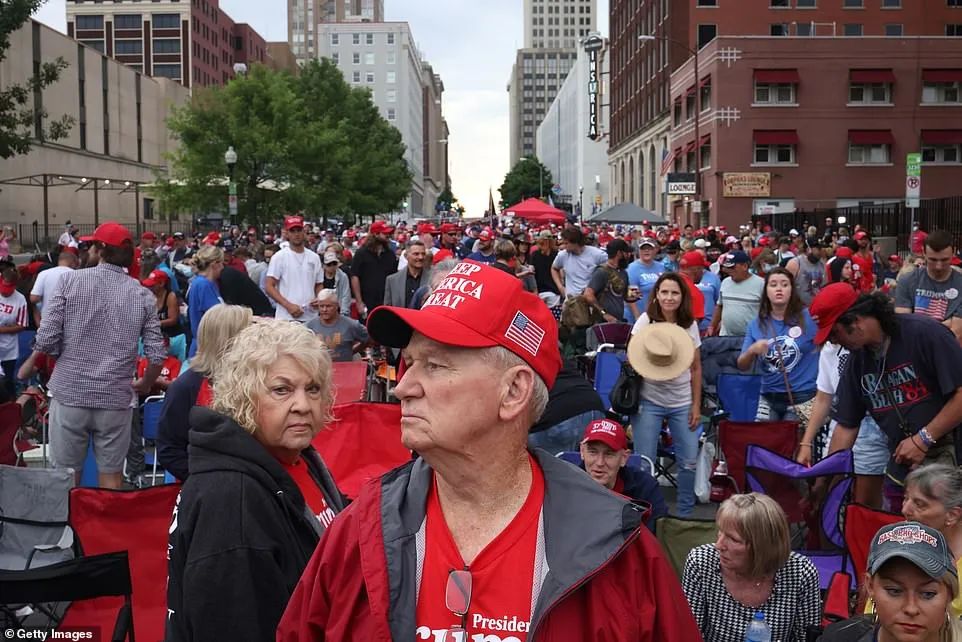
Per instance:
(926,437)
(912,439)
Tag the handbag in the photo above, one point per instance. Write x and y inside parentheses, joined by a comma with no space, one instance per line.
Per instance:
(803,410)
(625,395)
(703,470)
(578,313)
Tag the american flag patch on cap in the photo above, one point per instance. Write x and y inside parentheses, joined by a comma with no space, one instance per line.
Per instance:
(526,333)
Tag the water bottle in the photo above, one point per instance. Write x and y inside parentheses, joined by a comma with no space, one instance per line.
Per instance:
(758,629)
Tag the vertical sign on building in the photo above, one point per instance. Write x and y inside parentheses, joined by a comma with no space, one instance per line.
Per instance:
(593,45)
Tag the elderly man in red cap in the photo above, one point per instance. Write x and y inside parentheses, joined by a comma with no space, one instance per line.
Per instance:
(478,538)
(92,325)
(143,251)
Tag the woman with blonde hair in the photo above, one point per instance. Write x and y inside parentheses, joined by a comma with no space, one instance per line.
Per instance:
(912,580)
(204,292)
(259,496)
(751,570)
(192,388)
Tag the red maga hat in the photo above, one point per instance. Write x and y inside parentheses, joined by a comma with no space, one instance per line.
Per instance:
(608,432)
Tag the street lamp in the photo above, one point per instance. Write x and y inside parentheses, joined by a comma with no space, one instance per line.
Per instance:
(540,174)
(581,205)
(694,53)
(230,158)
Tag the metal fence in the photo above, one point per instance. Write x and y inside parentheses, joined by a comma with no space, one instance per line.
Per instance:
(893,220)
(31,237)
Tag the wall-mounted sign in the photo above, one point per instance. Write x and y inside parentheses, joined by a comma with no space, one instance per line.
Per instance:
(681,183)
(593,45)
(746,184)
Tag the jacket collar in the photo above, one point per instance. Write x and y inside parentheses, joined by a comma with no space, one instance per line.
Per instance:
(585,525)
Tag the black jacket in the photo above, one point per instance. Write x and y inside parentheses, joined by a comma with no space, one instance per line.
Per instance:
(241,535)
(172,426)
(237,288)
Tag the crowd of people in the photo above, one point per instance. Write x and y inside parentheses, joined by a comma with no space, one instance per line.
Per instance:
(485,535)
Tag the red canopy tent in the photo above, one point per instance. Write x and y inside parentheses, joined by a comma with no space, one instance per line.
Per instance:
(536,211)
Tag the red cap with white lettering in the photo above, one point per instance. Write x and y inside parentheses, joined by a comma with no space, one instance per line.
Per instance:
(607,432)
(477,306)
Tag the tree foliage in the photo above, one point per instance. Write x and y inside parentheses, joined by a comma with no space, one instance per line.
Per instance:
(309,144)
(528,178)
(17,118)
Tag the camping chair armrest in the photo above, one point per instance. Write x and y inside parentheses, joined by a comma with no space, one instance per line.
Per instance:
(65,543)
(122,627)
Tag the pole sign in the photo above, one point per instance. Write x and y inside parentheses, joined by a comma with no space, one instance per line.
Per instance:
(232,198)
(593,45)
(681,183)
(913,179)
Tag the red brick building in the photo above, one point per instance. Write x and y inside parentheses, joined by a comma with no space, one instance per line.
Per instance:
(193,42)
(800,123)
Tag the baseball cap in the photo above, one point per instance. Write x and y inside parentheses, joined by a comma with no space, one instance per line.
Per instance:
(858,236)
(923,546)
(477,306)
(70,249)
(693,259)
(844,252)
(178,235)
(148,236)
(647,240)
(110,233)
(829,304)
(734,258)
(449,228)
(211,239)
(157,277)
(731,240)
(793,232)
(617,245)
(380,227)
(895,257)
(427,228)
(331,257)
(673,246)
(701,243)
(485,235)
(608,432)
(545,235)
(293,221)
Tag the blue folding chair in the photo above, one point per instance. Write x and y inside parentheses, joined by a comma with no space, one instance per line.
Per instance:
(738,394)
(607,369)
(151,420)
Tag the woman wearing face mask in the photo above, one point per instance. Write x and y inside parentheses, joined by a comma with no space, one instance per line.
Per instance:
(782,341)
(763,262)
(676,400)
(912,580)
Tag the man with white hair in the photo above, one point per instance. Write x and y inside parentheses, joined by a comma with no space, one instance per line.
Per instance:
(342,335)
(478,538)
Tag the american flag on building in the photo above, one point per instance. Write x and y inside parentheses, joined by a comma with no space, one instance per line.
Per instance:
(526,333)
(667,160)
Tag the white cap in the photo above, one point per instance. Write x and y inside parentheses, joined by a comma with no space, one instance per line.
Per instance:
(793,232)
(701,243)
(331,257)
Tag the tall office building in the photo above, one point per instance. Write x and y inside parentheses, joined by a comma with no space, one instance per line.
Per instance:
(195,43)
(553,30)
(303,17)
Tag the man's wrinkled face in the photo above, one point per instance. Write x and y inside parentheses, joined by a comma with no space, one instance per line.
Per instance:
(416,255)
(602,462)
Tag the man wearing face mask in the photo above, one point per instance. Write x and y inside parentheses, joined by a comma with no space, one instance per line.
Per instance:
(607,290)
(809,271)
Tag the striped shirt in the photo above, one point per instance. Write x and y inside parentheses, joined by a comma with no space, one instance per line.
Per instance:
(92,324)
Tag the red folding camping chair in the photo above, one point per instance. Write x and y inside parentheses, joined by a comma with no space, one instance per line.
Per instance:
(861,524)
(362,442)
(138,521)
(734,437)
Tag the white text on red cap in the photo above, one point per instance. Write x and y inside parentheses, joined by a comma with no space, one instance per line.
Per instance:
(449,292)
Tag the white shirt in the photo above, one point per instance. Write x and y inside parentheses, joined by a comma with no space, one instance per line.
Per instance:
(13,311)
(47,283)
(579,267)
(66,239)
(297,273)
(674,393)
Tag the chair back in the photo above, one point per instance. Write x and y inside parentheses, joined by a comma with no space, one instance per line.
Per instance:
(678,536)
(34,507)
(152,407)
(617,334)
(10,419)
(607,369)
(734,437)
(738,395)
(861,524)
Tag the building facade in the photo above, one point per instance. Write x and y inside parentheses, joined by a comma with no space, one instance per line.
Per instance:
(114,149)
(578,162)
(552,31)
(384,58)
(303,16)
(798,123)
(194,43)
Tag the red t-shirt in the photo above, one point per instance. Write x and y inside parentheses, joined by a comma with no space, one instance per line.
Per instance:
(697,298)
(309,489)
(170,369)
(501,574)
(205,394)
(865,269)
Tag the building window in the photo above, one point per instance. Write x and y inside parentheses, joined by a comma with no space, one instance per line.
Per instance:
(391,114)
(166,46)
(128,21)
(707,3)
(891,4)
(936,93)
(94,44)
(774,94)
(391,95)
(356,58)
(803,29)
(852,30)
(705,96)
(893,30)
(356,38)
(875,93)
(953,30)
(690,105)
(941,154)
(806,4)
(90,22)
(706,33)
(779,29)
(128,46)
(774,154)
(369,58)
(369,38)
(869,154)
(335,39)
(166,20)
(369,77)
(390,39)
(391,58)
(336,57)
(391,77)
(780,4)
(677,113)
(854,4)
(706,155)
(953,3)
(167,71)
(356,77)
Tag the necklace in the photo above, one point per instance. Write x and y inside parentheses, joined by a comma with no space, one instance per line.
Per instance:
(884,352)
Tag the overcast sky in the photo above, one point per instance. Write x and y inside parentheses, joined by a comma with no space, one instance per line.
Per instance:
(471,43)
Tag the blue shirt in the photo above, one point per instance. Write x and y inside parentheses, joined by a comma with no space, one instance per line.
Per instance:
(710,287)
(670,266)
(202,296)
(797,346)
(643,277)
(481,258)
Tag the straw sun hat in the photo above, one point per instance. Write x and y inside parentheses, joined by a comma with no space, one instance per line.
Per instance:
(661,351)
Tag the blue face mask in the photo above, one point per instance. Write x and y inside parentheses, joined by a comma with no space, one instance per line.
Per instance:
(768,267)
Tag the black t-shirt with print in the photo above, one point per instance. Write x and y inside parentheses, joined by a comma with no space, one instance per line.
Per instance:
(922,370)
(610,286)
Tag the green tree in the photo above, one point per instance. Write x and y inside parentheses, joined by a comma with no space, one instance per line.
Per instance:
(528,178)
(20,124)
